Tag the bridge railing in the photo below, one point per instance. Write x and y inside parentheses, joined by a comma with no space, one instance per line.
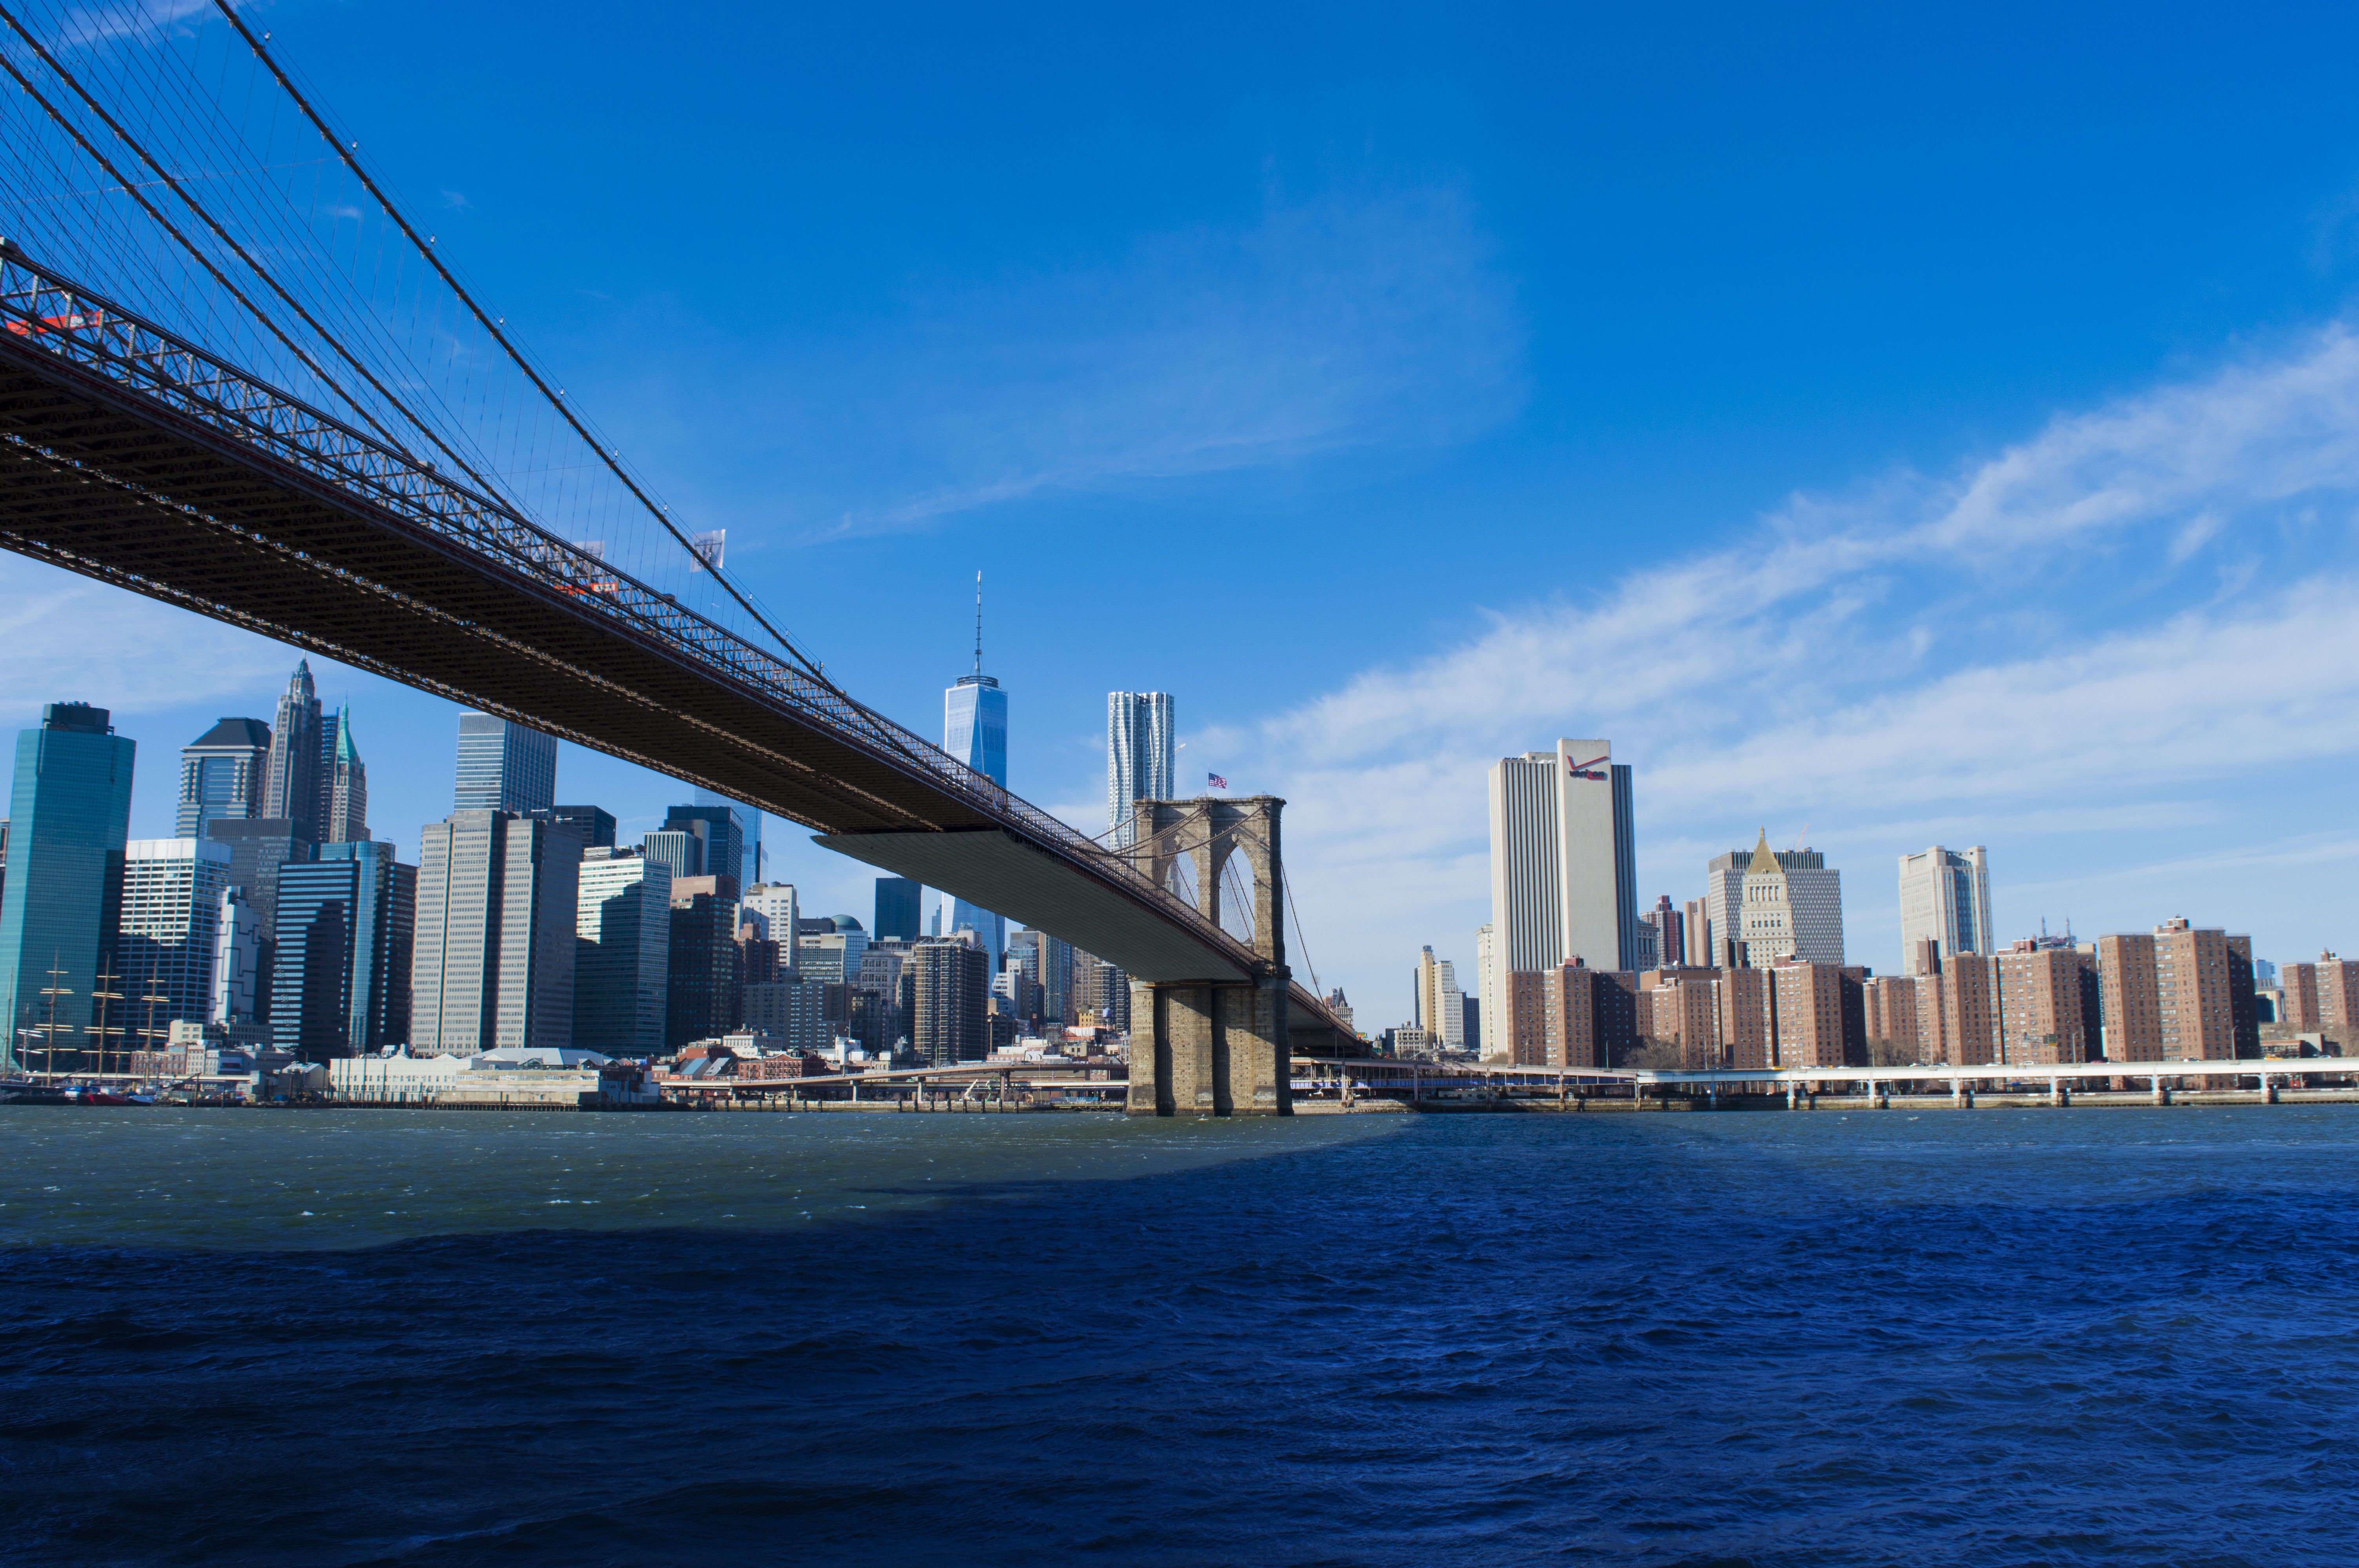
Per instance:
(42,309)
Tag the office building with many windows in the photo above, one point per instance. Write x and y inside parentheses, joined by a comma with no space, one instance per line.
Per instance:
(1761,905)
(680,853)
(833,954)
(241,1006)
(751,865)
(343,783)
(68,819)
(1438,1006)
(169,924)
(260,848)
(1563,874)
(1944,899)
(1790,907)
(345,949)
(221,775)
(384,935)
(792,1009)
(701,990)
(497,909)
(504,766)
(949,1000)
(621,964)
(899,900)
(312,981)
(775,912)
(721,847)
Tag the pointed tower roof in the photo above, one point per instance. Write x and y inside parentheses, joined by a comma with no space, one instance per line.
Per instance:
(1762,862)
(235,732)
(345,750)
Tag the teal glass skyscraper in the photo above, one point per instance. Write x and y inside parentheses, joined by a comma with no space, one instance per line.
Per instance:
(345,943)
(974,730)
(69,815)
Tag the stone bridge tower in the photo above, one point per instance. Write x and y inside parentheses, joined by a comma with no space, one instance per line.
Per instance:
(1215,1047)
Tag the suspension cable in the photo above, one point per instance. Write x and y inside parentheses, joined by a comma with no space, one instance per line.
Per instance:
(348,152)
(1286,884)
(174,229)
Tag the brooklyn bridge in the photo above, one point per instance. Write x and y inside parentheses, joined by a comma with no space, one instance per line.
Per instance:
(270,398)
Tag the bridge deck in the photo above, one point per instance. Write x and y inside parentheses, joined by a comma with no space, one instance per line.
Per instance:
(130,456)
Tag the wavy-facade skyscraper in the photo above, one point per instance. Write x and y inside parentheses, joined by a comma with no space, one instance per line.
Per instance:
(1139,756)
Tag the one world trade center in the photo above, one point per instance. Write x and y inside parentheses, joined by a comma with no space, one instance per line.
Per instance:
(974,730)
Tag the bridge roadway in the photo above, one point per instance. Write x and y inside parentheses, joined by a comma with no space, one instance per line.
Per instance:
(135,457)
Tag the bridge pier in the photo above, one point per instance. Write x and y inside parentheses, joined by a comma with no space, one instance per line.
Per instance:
(1216,1048)
(1199,1048)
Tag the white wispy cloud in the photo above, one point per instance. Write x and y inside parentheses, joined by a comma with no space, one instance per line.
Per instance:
(89,25)
(1339,324)
(71,638)
(2104,624)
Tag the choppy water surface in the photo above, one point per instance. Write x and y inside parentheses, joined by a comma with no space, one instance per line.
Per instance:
(2119,1337)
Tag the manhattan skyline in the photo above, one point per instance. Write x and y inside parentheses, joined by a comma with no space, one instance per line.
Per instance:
(2035,547)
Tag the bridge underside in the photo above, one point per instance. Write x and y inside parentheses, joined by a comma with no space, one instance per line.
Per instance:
(1001,871)
(105,482)
(157,503)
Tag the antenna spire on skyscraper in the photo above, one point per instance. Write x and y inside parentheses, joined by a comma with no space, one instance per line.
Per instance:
(974,730)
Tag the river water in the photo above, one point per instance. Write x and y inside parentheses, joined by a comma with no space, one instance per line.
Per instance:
(1997,1337)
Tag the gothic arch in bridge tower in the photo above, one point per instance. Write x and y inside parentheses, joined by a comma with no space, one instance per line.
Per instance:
(1216,1046)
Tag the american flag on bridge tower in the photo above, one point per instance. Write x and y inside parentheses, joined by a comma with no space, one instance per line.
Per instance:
(1216,781)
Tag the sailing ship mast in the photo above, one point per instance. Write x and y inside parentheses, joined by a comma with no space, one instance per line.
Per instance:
(102,991)
(49,1031)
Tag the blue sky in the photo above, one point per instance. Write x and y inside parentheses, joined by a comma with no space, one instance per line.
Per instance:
(1926,428)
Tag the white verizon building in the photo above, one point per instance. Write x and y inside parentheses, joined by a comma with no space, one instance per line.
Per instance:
(1562,882)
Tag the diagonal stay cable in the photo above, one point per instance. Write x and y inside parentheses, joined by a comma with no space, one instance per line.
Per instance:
(1287,884)
(174,229)
(222,234)
(485,321)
